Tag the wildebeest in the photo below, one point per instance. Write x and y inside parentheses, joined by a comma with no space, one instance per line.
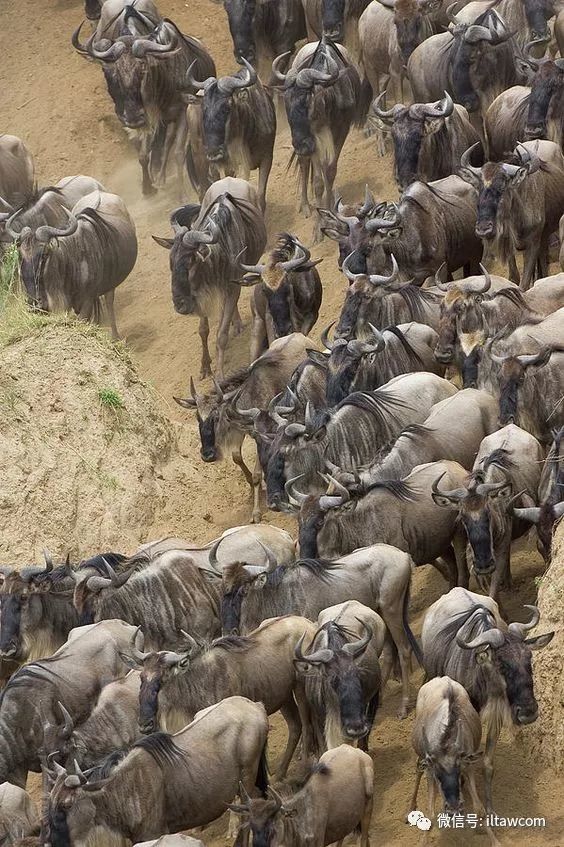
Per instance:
(336,799)
(170,594)
(239,124)
(473,62)
(345,224)
(550,497)
(223,426)
(384,301)
(334,19)
(464,637)
(351,434)
(364,365)
(287,296)
(519,205)
(388,32)
(73,266)
(172,841)
(377,576)
(176,685)
(322,97)
(18,815)
(17,173)
(145,58)
(208,242)
(446,737)
(433,223)
(428,138)
(527,19)
(262,30)
(36,611)
(507,467)
(167,783)
(341,671)
(73,676)
(522,113)
(400,512)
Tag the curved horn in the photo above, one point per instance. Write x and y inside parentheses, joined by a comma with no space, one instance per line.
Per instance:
(338,487)
(296,498)
(380,340)
(75,41)
(253,269)
(97,583)
(325,336)
(465,160)
(308,77)
(478,287)
(355,648)
(116,580)
(9,221)
(374,224)
(376,279)
(212,556)
(521,629)
(142,46)
(318,658)
(309,414)
(540,358)
(276,797)
(302,257)
(270,557)
(196,83)
(455,494)
(106,54)
(385,115)
(294,429)
(492,637)
(443,109)
(345,267)
(532,60)
(229,84)
(48,561)
(450,13)
(68,722)
(276,72)
(368,205)
(44,233)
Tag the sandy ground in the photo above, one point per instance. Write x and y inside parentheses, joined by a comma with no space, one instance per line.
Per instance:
(58,104)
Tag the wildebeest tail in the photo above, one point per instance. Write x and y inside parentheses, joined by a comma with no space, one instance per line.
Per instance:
(364,102)
(414,644)
(261,781)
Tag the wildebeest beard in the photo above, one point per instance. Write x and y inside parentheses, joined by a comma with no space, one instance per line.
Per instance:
(59,833)
(538,12)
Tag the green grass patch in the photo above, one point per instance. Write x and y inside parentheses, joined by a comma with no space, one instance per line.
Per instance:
(110,399)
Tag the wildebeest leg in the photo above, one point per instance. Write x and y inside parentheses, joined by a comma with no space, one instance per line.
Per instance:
(446,566)
(291,715)
(258,335)
(501,577)
(109,304)
(431,792)
(489,752)
(393,618)
(320,193)
(204,330)
(251,479)
(366,818)
(144,157)
(478,806)
(305,720)
(543,257)
(264,172)
(514,274)
(459,548)
(237,322)
(529,267)
(229,306)
(304,207)
(170,135)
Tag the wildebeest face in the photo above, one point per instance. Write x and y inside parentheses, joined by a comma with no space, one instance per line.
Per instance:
(186,254)
(409,129)
(495,182)
(342,368)
(240,15)
(236,584)
(333,19)
(461,317)
(216,117)
(298,103)
(92,9)
(548,80)
(513,662)
(479,523)
(538,13)
(72,814)
(278,299)
(465,59)
(124,79)
(11,607)
(311,520)
(33,257)
(409,31)
(510,378)
(156,670)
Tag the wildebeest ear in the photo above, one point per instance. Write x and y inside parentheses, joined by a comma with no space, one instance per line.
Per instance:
(260,581)
(317,357)
(164,242)
(506,491)
(185,402)
(444,502)
(540,641)
(318,435)
(239,810)
(306,668)
(467,175)
(470,758)
(129,661)
(519,176)
(331,233)
(484,655)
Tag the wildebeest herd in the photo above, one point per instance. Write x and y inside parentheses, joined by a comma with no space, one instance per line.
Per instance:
(139,685)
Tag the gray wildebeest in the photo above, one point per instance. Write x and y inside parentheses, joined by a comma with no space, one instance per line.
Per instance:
(519,205)
(335,19)
(473,62)
(526,19)
(433,223)
(18,815)
(344,223)
(322,99)
(36,611)
(364,365)
(522,113)
(287,293)
(74,676)
(238,124)
(550,497)
(260,666)
(262,30)
(428,138)
(145,58)
(377,576)
(167,595)
(507,467)
(335,801)
(341,673)
(208,242)
(166,783)
(389,31)
(73,266)
(17,173)
(351,434)
(446,737)
(400,512)
(465,637)
(226,416)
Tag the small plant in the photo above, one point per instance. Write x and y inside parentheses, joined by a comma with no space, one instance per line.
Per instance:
(111,399)
(9,272)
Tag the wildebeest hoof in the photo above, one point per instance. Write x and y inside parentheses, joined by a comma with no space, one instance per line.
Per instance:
(205,371)
(305,210)
(237,328)
(402,711)
(256,517)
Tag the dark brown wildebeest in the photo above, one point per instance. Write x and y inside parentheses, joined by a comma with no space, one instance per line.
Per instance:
(377,576)
(550,497)
(287,296)
(238,124)
(260,666)
(72,267)
(341,671)
(522,113)
(167,783)
(345,224)
(465,637)
(322,98)
(335,801)
(74,676)
(507,467)
(204,256)
(519,205)
(145,59)
(334,19)
(428,138)
(17,173)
